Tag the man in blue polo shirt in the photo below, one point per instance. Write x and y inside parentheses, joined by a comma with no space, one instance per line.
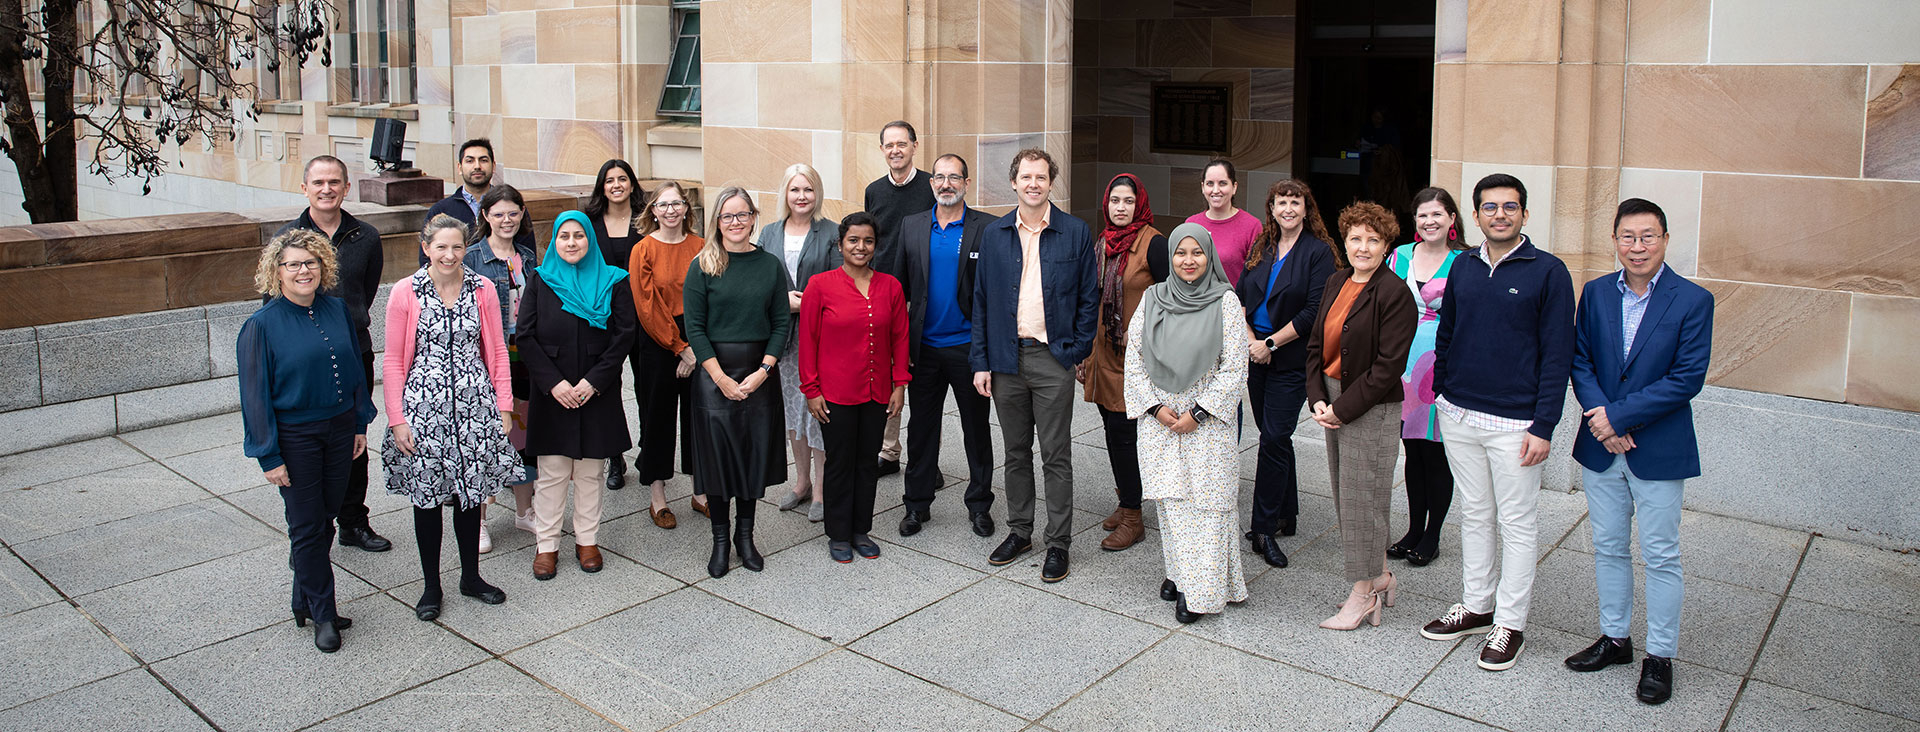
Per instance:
(1501,360)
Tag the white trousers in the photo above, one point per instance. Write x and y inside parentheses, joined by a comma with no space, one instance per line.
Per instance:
(1491,489)
(550,500)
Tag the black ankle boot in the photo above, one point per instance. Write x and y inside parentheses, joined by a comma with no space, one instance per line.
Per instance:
(750,558)
(1268,549)
(717,566)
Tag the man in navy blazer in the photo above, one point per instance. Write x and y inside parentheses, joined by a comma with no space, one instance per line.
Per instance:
(1035,303)
(1641,348)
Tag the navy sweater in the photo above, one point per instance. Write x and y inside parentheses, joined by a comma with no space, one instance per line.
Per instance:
(1505,344)
(297,365)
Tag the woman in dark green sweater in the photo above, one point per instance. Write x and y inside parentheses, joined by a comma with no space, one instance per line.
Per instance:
(737,324)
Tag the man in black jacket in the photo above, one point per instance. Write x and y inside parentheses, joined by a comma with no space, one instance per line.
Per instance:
(903,191)
(476,177)
(937,253)
(356,247)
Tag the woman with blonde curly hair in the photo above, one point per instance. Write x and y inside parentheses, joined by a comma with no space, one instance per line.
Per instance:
(305,406)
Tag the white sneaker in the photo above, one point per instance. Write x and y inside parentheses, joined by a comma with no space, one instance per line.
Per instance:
(523,521)
(486,539)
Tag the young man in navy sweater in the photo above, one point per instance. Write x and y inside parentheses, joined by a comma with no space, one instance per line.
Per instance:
(1501,360)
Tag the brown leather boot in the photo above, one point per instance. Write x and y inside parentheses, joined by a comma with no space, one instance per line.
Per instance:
(1127,534)
(544,565)
(1113,520)
(589,557)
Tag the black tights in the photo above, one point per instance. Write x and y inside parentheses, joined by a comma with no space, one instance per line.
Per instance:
(1123,452)
(1429,494)
(466,537)
(742,508)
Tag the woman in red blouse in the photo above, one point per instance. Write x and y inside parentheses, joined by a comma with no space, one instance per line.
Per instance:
(857,384)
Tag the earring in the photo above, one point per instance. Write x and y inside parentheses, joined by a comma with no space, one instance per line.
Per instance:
(1452,234)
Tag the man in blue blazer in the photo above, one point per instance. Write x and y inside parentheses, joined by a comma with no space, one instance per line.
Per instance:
(1641,347)
(1035,303)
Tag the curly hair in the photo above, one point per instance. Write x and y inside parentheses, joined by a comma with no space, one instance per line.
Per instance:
(1270,229)
(1371,215)
(266,276)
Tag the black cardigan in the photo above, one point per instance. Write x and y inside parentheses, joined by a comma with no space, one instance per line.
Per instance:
(557,345)
(1295,297)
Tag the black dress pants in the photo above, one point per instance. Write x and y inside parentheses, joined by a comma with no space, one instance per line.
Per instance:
(660,395)
(1123,453)
(1277,394)
(852,433)
(353,506)
(318,457)
(938,370)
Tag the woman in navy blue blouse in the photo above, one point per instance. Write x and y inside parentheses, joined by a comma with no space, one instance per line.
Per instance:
(306,407)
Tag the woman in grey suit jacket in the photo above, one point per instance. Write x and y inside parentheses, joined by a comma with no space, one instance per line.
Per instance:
(804,240)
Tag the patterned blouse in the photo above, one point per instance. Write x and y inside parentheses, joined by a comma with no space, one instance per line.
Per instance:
(1419,419)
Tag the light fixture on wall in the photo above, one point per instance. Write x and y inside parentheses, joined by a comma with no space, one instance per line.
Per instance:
(389,143)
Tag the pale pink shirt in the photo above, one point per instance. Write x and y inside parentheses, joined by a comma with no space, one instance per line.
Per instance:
(1030,319)
(403,317)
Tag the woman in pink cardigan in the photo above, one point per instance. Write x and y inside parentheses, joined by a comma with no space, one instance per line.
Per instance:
(447,396)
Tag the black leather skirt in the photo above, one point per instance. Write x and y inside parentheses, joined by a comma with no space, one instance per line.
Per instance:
(738,447)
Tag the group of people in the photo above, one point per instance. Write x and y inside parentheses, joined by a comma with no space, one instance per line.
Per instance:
(812,336)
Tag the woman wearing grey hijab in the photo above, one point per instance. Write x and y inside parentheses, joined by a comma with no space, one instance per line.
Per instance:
(1186,369)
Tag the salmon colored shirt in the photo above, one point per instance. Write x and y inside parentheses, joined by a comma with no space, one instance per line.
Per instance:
(1030,319)
(657,272)
(1337,322)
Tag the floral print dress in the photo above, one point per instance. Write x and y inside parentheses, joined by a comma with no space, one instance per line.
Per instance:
(461,455)
(1196,476)
(1418,416)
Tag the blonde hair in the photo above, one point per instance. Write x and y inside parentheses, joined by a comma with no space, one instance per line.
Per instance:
(443,222)
(266,277)
(713,255)
(650,221)
(813,179)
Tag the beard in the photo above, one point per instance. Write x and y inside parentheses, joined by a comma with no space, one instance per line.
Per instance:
(947,199)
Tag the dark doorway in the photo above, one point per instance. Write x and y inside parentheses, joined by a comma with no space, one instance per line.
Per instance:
(1363,128)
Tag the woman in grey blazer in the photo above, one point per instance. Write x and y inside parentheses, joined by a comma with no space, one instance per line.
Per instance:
(804,240)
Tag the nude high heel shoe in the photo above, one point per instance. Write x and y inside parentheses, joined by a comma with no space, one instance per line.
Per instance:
(1369,613)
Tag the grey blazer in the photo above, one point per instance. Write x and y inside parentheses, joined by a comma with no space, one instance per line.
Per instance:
(817,255)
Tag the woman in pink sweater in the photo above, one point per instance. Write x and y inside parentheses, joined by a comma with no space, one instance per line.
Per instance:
(447,396)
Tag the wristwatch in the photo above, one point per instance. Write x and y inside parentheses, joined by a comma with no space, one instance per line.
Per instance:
(1270,344)
(767,367)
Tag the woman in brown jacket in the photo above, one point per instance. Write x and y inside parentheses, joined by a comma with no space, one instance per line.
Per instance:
(1134,257)
(1355,353)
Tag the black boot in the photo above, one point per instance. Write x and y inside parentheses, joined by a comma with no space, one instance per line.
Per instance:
(1268,549)
(750,558)
(717,566)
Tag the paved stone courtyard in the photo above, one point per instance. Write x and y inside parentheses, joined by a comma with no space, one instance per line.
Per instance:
(145,583)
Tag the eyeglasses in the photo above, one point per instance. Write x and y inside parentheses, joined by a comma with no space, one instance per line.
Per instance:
(301,266)
(1490,208)
(505,215)
(669,205)
(1649,239)
(736,218)
(949,179)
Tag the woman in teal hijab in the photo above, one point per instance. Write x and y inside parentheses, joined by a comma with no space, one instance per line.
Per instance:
(1186,370)
(576,327)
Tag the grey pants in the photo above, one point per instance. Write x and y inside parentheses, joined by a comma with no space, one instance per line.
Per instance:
(1038,399)
(1360,458)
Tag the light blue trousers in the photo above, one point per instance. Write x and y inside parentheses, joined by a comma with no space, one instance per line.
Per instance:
(1614,497)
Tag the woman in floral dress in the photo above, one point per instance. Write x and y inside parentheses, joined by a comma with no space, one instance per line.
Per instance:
(1186,372)
(446,384)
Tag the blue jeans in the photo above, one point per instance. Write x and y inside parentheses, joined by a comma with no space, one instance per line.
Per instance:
(1614,497)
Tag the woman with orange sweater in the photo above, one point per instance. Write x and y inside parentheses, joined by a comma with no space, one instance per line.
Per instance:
(658,271)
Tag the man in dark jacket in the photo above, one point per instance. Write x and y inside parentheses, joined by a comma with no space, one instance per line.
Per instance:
(356,247)
(1036,301)
(476,178)
(1502,355)
(903,191)
(939,250)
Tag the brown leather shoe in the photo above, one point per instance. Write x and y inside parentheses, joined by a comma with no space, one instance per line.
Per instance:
(1127,534)
(545,564)
(701,507)
(1113,520)
(589,557)
(663,518)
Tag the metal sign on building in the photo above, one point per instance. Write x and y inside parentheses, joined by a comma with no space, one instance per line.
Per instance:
(1192,117)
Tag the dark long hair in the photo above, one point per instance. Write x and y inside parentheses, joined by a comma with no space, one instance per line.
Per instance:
(483,228)
(1456,238)
(597,203)
(1270,228)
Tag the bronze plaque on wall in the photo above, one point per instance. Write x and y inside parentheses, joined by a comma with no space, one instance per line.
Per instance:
(1192,117)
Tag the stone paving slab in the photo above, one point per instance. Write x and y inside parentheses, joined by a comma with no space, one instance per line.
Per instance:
(534,609)
(843,602)
(52,648)
(490,696)
(1411,717)
(650,666)
(168,614)
(98,557)
(1721,625)
(131,701)
(1723,549)
(1017,648)
(1862,579)
(1125,582)
(1177,685)
(846,691)
(20,588)
(1859,659)
(181,438)
(242,683)
(85,501)
(72,460)
(220,470)
(401,564)
(1767,708)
